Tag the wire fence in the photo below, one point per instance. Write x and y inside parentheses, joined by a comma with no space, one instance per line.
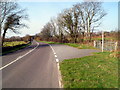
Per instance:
(108,45)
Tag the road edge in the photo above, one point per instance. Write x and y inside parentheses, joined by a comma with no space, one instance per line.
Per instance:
(18,58)
(58,66)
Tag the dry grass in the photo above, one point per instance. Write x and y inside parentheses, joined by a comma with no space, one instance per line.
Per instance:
(115,54)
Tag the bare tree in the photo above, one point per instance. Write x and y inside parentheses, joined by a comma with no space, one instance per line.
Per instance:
(53,30)
(79,20)
(6,8)
(46,32)
(53,27)
(71,23)
(60,28)
(91,13)
(10,17)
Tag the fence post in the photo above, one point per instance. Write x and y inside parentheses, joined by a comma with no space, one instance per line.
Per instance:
(102,41)
(116,44)
(94,43)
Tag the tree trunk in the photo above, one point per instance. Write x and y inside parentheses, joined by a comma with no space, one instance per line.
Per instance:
(83,36)
(76,37)
(90,37)
(75,40)
(3,37)
(0,38)
(61,38)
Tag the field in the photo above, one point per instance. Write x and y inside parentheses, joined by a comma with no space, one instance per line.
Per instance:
(109,38)
(14,43)
(97,71)
(13,46)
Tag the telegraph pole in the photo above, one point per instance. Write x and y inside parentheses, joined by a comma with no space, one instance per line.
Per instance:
(102,41)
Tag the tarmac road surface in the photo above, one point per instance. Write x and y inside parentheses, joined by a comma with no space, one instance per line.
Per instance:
(35,66)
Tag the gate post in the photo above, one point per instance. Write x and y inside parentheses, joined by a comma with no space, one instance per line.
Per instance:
(116,44)
(102,41)
(94,43)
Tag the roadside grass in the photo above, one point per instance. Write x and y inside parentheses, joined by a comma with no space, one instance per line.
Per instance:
(13,47)
(79,46)
(97,71)
(50,42)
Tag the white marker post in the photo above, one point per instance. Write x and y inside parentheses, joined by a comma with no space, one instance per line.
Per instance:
(102,41)
(116,46)
(94,43)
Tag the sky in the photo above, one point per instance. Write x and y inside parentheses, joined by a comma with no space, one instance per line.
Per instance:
(41,12)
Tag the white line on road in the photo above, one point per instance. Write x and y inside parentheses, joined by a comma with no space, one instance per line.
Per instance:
(55,55)
(19,57)
(52,49)
(57,60)
(59,73)
(59,76)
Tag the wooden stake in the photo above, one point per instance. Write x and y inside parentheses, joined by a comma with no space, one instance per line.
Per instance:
(116,44)
(102,41)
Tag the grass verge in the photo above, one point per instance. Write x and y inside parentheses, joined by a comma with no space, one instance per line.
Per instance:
(79,46)
(97,71)
(50,42)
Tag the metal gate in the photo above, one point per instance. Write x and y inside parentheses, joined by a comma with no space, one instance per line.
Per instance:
(108,45)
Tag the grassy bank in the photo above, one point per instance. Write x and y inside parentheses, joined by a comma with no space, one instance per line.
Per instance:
(79,46)
(97,71)
(13,46)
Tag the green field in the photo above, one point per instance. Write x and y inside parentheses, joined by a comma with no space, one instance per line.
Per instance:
(79,46)
(97,71)
(14,43)
(13,46)
(105,38)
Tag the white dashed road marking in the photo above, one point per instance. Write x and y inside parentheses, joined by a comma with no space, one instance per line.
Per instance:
(59,73)
(57,60)
(55,55)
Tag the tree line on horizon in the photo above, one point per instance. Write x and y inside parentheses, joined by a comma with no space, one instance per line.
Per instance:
(74,24)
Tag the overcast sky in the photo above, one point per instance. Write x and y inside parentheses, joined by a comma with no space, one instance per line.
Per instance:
(41,12)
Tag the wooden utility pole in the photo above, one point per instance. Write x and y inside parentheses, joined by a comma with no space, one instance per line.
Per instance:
(102,41)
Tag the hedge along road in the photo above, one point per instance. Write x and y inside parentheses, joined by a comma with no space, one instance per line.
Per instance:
(35,66)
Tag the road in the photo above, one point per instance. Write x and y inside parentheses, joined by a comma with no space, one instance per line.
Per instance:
(35,66)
